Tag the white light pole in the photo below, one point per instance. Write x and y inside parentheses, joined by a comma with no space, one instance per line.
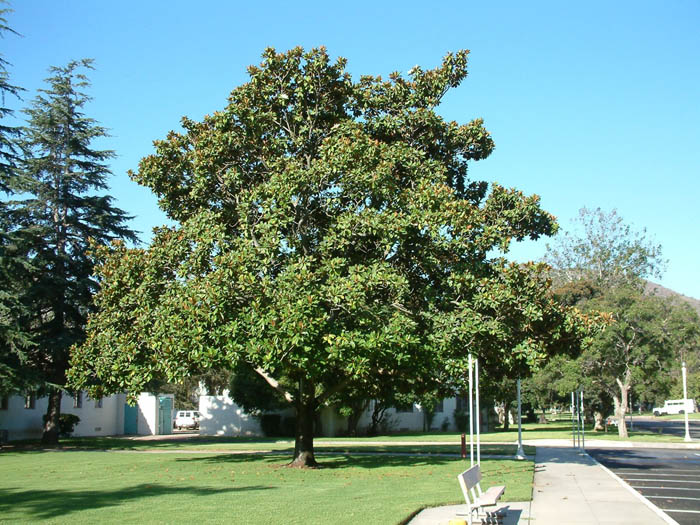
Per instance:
(478,412)
(520,454)
(471,415)
(685,405)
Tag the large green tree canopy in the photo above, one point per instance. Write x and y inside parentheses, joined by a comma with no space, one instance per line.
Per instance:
(327,235)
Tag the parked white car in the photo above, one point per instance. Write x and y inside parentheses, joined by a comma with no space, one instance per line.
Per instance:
(676,406)
(187,419)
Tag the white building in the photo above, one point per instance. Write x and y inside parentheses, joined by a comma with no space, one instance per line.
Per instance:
(22,416)
(220,416)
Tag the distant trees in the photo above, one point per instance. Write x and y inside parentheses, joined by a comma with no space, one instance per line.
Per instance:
(606,253)
(602,268)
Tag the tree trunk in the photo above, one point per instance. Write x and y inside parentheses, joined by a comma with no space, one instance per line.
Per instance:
(543,417)
(620,408)
(506,415)
(355,416)
(621,404)
(378,413)
(304,440)
(598,417)
(53,415)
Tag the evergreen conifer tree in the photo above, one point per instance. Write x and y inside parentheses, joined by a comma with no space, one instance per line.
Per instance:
(14,341)
(60,214)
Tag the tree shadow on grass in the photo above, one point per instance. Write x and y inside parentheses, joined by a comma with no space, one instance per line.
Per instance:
(334,460)
(144,442)
(46,504)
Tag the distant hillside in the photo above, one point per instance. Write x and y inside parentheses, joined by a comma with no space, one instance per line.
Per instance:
(657,289)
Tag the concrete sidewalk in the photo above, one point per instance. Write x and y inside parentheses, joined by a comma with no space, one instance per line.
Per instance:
(569,488)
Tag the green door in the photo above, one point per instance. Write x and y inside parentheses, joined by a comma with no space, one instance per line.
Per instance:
(131,419)
(165,415)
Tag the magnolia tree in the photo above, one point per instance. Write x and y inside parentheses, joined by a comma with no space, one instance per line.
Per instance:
(328,236)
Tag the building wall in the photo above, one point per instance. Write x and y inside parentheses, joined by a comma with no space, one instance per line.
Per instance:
(108,420)
(148,415)
(220,416)
(27,423)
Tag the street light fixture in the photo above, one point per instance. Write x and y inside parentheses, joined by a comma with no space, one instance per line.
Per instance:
(520,454)
(685,405)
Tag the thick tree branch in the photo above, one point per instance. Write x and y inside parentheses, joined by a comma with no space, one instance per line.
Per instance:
(332,391)
(275,384)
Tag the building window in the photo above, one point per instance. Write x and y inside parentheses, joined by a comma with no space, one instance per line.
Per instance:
(30,401)
(78,399)
(4,402)
(98,403)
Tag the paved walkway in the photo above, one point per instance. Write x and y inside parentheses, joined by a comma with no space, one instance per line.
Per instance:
(569,488)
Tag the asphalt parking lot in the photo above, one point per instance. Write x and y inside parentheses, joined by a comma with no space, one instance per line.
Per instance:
(674,427)
(669,478)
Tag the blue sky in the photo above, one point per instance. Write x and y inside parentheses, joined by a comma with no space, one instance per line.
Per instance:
(591,104)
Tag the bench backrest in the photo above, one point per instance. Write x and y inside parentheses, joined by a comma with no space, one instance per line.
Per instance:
(470,478)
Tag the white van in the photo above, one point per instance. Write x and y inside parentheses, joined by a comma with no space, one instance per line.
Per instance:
(676,406)
(187,419)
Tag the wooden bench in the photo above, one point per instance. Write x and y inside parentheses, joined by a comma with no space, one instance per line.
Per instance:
(476,499)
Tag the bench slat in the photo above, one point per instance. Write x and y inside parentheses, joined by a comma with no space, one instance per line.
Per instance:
(490,497)
(471,476)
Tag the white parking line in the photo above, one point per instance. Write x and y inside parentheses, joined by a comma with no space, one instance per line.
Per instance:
(673,497)
(664,480)
(673,470)
(679,475)
(663,488)
(688,511)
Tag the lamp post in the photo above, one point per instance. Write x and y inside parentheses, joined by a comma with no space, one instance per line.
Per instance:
(685,405)
(520,454)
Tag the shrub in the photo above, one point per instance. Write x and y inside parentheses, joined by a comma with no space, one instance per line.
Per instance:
(66,424)
(461,420)
(289,426)
(270,424)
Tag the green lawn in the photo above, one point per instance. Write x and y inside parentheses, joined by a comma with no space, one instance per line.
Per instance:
(125,487)
(498,442)
(420,444)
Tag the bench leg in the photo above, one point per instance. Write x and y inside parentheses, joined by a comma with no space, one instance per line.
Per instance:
(492,518)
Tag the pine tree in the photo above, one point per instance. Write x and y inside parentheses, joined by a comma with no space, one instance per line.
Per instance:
(8,133)
(14,341)
(61,216)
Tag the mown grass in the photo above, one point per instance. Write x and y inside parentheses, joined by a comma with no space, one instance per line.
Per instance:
(109,487)
(411,445)
(497,442)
